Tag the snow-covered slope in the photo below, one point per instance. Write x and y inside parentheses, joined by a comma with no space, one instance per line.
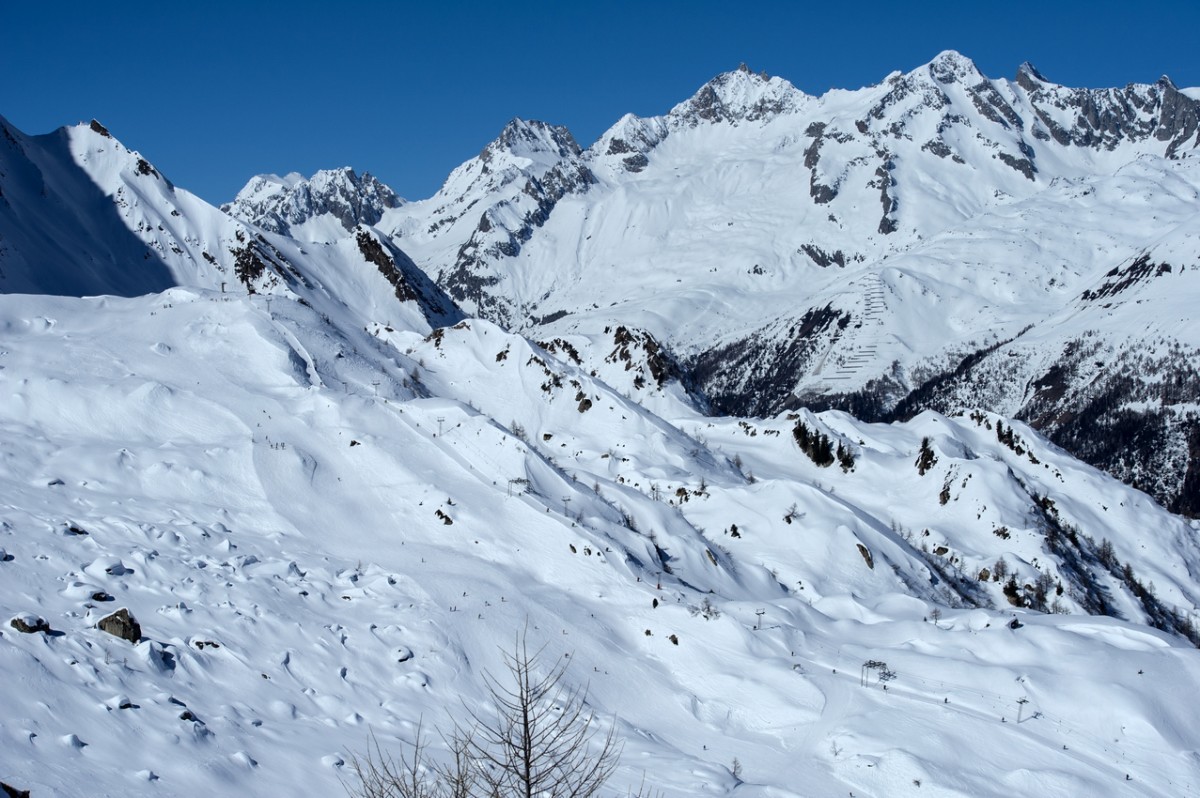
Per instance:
(1112,376)
(326,532)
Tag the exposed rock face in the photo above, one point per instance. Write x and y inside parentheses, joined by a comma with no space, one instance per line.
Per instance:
(1104,118)
(408,282)
(822,258)
(643,355)
(260,266)
(121,624)
(521,137)
(373,252)
(279,203)
(627,145)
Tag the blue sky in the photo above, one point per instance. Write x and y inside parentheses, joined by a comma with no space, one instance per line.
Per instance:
(215,92)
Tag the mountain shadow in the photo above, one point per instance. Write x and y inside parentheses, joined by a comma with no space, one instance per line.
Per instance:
(60,234)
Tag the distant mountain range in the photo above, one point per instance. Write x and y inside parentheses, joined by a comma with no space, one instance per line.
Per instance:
(938,240)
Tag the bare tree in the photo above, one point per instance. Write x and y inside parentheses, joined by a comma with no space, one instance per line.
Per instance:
(413,775)
(541,741)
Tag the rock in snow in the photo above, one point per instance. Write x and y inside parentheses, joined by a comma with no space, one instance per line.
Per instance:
(121,624)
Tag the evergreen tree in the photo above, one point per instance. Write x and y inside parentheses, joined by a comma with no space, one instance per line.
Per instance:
(926,459)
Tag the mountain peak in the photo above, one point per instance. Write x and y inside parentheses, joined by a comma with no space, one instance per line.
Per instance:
(99,128)
(762,74)
(345,178)
(740,95)
(1029,78)
(630,139)
(279,203)
(264,185)
(532,139)
(951,66)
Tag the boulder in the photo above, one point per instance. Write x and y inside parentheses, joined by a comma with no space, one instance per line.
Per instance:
(121,624)
(12,792)
(27,623)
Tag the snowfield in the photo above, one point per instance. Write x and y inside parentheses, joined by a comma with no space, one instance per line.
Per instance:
(277,523)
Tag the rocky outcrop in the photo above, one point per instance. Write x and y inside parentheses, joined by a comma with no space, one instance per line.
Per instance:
(408,282)
(278,204)
(1104,118)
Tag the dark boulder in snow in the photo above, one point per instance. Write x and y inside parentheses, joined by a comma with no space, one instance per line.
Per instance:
(12,792)
(27,623)
(121,624)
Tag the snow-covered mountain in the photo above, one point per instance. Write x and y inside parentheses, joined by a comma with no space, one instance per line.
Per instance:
(80,214)
(1112,376)
(333,451)
(833,251)
(330,197)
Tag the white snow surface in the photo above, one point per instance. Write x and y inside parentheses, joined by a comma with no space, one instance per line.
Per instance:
(216,468)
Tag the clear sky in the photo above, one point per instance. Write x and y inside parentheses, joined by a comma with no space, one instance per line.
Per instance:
(214,92)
